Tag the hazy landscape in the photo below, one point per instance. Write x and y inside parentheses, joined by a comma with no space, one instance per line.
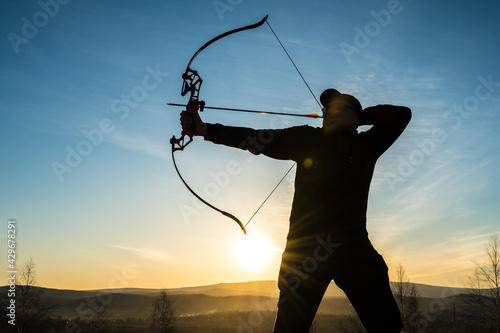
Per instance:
(232,307)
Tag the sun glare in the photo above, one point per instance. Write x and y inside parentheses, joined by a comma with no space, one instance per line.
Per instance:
(254,253)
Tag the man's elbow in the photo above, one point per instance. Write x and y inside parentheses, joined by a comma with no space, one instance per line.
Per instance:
(406,114)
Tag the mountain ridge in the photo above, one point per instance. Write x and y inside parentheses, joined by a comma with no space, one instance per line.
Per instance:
(269,288)
(266,288)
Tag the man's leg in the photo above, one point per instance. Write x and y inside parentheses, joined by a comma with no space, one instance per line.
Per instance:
(366,283)
(300,296)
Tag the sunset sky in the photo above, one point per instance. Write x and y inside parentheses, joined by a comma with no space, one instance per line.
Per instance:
(85,129)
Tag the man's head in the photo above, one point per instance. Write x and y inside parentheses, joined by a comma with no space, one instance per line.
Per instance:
(340,111)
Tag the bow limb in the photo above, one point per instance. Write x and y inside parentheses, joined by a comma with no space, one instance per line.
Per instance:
(231,216)
(186,87)
(248,27)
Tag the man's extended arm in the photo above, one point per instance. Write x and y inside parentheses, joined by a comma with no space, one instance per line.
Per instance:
(277,144)
(280,144)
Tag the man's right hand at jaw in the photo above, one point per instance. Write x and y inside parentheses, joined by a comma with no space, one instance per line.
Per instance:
(191,122)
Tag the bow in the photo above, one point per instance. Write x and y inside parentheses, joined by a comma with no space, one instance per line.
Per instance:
(192,84)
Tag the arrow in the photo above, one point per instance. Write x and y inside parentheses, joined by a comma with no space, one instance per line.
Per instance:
(310,115)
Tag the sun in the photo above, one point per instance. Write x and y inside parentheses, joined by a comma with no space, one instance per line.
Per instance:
(254,253)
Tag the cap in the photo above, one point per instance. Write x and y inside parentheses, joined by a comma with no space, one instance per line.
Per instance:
(331,94)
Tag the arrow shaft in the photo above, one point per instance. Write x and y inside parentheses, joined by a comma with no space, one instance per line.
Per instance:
(313,115)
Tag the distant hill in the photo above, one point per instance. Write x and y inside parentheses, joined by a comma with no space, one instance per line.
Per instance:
(224,297)
(270,289)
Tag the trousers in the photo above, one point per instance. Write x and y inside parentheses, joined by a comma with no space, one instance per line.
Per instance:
(356,268)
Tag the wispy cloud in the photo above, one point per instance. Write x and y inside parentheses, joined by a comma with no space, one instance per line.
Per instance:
(139,143)
(452,257)
(152,254)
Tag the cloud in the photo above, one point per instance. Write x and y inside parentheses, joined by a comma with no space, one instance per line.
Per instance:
(451,256)
(139,143)
(152,254)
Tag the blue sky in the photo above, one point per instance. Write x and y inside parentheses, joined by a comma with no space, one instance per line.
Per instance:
(93,78)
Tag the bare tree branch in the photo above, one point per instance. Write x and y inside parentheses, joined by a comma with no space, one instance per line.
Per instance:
(406,297)
(31,314)
(163,316)
(484,287)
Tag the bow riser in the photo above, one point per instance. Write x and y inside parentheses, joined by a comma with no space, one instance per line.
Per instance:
(192,84)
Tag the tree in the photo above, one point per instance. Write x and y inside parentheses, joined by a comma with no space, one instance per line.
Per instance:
(477,299)
(406,296)
(163,316)
(350,323)
(484,288)
(31,314)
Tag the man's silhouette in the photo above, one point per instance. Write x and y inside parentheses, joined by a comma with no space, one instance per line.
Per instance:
(327,238)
